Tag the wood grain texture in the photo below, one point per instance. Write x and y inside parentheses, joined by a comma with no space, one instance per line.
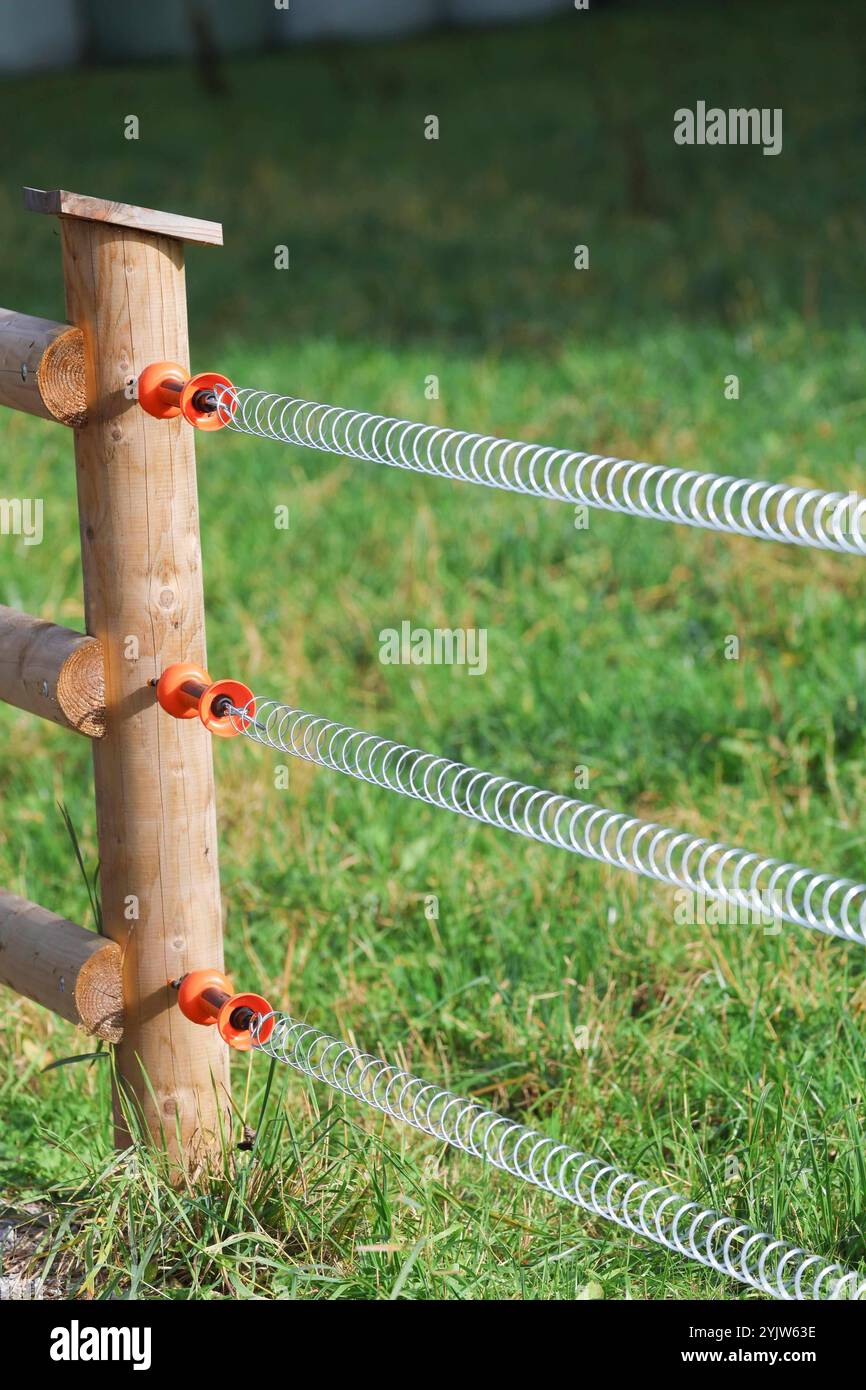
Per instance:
(75,973)
(52,671)
(42,368)
(65,204)
(141,557)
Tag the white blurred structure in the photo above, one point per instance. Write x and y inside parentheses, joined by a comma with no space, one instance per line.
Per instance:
(354,19)
(166,28)
(494,11)
(33,37)
(42,34)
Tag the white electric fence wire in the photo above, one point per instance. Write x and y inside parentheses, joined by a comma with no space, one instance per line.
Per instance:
(761,890)
(722,1243)
(766,511)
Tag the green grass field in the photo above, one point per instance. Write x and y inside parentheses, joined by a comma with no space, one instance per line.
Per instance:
(725,1060)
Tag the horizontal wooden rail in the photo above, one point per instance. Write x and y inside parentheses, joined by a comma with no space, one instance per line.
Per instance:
(52,671)
(42,368)
(74,972)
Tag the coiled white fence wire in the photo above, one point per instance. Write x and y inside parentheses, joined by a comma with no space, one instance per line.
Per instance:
(648,1209)
(761,890)
(766,511)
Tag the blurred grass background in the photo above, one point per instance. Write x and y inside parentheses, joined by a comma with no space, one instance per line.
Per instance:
(725,1060)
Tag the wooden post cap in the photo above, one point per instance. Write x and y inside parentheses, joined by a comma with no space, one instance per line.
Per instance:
(61,203)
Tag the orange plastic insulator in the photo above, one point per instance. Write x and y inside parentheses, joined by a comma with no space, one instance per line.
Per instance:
(238,1034)
(185,690)
(165,390)
(155,394)
(207,419)
(192,995)
(177,701)
(224,724)
(205,997)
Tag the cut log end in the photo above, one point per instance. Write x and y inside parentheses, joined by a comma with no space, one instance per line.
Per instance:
(80,690)
(53,672)
(61,378)
(99,994)
(57,964)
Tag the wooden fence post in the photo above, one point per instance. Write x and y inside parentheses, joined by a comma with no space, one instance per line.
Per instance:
(138,511)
